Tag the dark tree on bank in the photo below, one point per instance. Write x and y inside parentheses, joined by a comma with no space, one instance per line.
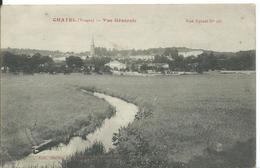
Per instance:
(171,56)
(99,63)
(207,61)
(170,52)
(244,60)
(144,68)
(161,59)
(39,63)
(9,60)
(74,62)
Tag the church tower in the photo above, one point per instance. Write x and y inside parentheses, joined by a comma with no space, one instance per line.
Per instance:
(92,48)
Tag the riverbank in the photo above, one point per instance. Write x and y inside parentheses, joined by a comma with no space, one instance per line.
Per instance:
(37,108)
(125,114)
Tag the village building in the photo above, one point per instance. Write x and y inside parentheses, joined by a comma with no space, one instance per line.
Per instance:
(142,57)
(116,65)
(59,59)
(194,53)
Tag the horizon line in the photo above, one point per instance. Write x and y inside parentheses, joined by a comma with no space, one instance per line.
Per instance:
(127,49)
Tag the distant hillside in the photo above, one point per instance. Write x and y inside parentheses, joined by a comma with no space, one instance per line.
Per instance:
(105,52)
(54,54)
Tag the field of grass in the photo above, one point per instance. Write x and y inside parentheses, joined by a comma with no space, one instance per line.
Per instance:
(40,107)
(187,120)
(184,120)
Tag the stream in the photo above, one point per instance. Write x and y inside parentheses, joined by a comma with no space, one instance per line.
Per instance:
(125,114)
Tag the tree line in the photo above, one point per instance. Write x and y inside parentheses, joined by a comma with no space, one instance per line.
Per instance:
(242,60)
(37,63)
(25,63)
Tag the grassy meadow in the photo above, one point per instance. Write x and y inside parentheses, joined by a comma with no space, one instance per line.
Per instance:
(183,120)
(41,107)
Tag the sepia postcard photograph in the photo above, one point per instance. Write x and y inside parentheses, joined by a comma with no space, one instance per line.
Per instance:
(128,86)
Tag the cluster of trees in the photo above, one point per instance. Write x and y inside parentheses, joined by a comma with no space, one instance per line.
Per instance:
(38,63)
(95,64)
(25,63)
(74,62)
(242,60)
(98,63)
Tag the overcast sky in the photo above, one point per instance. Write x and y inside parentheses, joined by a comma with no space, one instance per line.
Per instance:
(155,26)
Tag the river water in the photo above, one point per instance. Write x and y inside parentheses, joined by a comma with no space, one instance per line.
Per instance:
(125,114)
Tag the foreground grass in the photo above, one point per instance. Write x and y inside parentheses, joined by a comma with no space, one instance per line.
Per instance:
(184,121)
(239,156)
(41,107)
